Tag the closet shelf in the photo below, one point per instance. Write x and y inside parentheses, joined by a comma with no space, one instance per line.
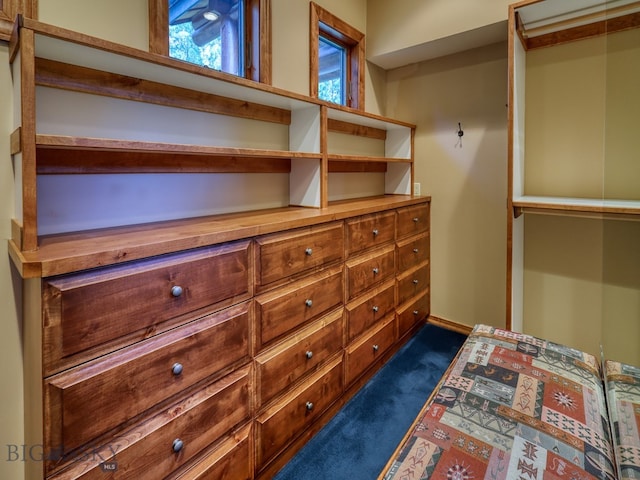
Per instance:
(572,206)
(58,154)
(67,252)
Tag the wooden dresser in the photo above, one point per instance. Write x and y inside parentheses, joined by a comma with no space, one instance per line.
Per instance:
(211,346)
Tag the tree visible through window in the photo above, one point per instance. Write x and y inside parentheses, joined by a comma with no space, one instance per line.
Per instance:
(232,36)
(208,33)
(332,72)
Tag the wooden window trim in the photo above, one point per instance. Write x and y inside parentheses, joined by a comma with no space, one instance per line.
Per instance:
(323,21)
(9,9)
(258,53)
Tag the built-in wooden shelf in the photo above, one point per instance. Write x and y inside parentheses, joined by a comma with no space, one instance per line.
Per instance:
(623,209)
(63,253)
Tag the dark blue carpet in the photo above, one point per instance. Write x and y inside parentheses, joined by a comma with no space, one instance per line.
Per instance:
(359,440)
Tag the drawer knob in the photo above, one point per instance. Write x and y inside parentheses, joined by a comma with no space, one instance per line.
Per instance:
(416,219)
(375,270)
(176,369)
(416,312)
(375,308)
(376,348)
(176,290)
(415,250)
(178,445)
(415,282)
(309,406)
(308,302)
(375,232)
(309,354)
(308,251)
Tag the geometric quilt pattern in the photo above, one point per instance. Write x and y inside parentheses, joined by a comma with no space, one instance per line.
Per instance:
(515,407)
(623,394)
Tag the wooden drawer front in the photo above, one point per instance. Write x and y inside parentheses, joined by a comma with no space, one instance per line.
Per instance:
(368,270)
(370,230)
(287,362)
(366,311)
(413,282)
(86,310)
(147,451)
(280,424)
(128,382)
(364,352)
(412,313)
(412,220)
(286,308)
(413,251)
(230,460)
(285,254)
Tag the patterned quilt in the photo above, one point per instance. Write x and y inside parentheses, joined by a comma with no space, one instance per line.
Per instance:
(623,387)
(516,407)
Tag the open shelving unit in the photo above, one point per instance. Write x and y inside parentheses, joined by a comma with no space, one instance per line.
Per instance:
(573,75)
(173,144)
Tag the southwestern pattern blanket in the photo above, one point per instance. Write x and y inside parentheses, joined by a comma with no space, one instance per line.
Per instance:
(511,407)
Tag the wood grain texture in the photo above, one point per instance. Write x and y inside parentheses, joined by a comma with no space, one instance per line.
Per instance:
(281,311)
(369,231)
(112,384)
(369,269)
(81,79)
(368,309)
(134,300)
(68,252)
(145,451)
(363,353)
(287,362)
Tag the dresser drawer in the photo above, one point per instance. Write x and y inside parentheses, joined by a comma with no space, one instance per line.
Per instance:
(282,310)
(232,459)
(413,312)
(284,421)
(412,220)
(165,442)
(365,311)
(85,311)
(126,383)
(289,361)
(369,269)
(413,282)
(413,251)
(365,351)
(370,231)
(283,255)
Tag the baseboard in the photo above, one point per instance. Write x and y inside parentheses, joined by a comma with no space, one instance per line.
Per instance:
(449,325)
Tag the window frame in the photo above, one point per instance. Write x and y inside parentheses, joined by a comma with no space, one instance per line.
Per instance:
(8,11)
(257,43)
(327,25)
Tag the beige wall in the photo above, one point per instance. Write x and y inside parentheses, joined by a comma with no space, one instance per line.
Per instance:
(582,276)
(467,180)
(11,397)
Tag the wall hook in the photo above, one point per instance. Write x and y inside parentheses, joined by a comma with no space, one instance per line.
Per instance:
(460,134)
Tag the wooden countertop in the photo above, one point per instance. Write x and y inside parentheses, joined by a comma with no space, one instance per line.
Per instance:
(69,252)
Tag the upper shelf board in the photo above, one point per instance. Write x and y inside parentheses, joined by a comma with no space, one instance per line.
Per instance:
(552,15)
(571,205)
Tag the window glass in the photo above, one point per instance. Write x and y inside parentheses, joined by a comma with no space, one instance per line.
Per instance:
(208,33)
(332,71)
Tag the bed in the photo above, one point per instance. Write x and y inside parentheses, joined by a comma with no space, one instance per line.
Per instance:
(512,406)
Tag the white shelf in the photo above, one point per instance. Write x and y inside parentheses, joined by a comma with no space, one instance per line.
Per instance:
(572,206)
